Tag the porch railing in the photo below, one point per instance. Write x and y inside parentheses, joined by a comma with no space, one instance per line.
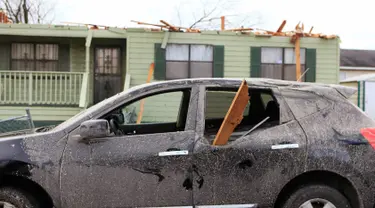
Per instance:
(40,88)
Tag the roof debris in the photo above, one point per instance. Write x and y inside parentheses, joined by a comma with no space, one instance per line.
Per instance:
(165,26)
(299,30)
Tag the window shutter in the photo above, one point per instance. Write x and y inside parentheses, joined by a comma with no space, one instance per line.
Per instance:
(64,57)
(159,62)
(311,65)
(218,61)
(255,61)
(4,56)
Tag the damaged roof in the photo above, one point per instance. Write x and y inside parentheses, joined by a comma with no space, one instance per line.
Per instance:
(357,58)
(102,31)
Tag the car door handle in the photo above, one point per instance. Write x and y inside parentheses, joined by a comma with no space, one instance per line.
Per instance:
(173,153)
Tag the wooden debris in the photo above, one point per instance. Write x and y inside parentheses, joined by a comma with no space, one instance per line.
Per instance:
(234,115)
(298,58)
(173,28)
(298,32)
(222,22)
(141,108)
(281,27)
(144,23)
(239,29)
(311,29)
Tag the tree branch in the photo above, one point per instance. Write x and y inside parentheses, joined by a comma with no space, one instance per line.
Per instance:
(205,15)
(25,12)
(28,11)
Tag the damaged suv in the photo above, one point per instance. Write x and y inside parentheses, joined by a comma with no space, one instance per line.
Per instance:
(297,145)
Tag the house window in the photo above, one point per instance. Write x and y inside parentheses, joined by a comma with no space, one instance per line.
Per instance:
(189,61)
(280,63)
(35,57)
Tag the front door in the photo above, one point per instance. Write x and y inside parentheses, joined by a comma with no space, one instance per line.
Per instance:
(147,163)
(107,73)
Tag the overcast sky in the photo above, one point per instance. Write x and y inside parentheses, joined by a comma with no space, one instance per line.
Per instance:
(351,20)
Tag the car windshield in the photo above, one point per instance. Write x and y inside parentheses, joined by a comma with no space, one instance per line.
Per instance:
(87,111)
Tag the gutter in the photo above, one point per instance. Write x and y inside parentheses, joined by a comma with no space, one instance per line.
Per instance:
(357,68)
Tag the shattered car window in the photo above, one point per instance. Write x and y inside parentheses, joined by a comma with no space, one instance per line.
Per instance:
(218,103)
(261,104)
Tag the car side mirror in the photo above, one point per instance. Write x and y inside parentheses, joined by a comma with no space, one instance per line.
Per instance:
(94,129)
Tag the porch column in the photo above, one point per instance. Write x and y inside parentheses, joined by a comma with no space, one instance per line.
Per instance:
(88,72)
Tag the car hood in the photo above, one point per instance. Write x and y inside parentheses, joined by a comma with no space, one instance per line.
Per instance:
(26,132)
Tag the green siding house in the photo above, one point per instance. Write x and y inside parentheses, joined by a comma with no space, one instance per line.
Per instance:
(56,71)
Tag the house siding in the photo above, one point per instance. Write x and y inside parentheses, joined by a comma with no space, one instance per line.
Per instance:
(237,52)
(138,53)
(354,73)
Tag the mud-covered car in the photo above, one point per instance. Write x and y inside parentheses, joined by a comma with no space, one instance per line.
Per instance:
(151,146)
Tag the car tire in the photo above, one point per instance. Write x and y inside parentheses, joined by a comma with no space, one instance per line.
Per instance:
(15,198)
(316,195)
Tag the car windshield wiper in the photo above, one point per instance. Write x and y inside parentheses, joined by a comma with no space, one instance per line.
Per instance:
(256,126)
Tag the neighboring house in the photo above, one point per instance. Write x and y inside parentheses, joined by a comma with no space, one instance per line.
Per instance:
(357,69)
(356,62)
(58,70)
(365,96)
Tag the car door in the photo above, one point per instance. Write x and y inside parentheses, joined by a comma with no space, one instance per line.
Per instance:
(148,166)
(249,171)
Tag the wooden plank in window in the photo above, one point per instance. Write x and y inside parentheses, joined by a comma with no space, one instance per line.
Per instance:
(234,115)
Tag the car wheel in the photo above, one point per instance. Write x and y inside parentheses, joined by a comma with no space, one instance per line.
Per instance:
(14,198)
(317,196)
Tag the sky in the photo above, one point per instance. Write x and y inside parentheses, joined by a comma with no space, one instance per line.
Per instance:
(351,20)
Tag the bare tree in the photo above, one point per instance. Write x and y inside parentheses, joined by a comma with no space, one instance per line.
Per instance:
(29,11)
(205,14)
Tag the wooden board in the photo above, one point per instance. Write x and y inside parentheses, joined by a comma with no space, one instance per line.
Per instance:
(298,59)
(234,115)
(141,109)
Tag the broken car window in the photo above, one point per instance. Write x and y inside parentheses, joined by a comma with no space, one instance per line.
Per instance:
(262,104)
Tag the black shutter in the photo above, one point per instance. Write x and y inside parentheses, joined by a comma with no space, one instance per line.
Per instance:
(159,62)
(255,61)
(5,56)
(311,65)
(64,57)
(218,61)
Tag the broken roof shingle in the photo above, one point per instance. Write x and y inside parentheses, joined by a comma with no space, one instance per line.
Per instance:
(357,58)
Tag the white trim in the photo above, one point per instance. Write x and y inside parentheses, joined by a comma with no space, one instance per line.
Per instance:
(214,206)
(357,68)
(229,206)
(173,153)
(170,207)
(284,146)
